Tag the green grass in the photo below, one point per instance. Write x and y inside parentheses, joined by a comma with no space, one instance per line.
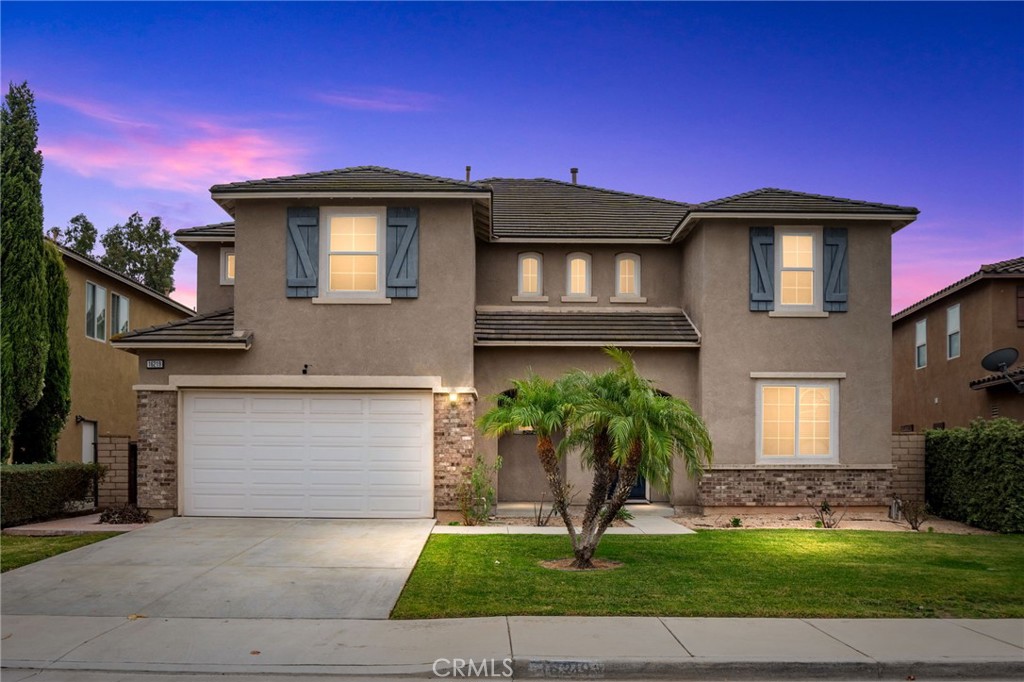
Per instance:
(771,573)
(19,550)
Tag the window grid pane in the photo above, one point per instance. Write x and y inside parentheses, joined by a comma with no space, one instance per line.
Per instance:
(529,276)
(90,310)
(100,304)
(954,345)
(797,251)
(230,266)
(815,422)
(354,234)
(353,273)
(578,276)
(797,287)
(778,420)
(627,277)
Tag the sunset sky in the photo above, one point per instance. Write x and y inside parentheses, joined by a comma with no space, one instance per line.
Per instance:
(143,106)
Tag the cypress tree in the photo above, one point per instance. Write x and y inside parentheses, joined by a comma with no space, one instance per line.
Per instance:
(23,332)
(35,439)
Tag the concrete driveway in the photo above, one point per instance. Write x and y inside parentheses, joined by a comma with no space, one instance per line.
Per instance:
(227,568)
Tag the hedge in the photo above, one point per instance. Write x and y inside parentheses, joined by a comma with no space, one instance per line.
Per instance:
(39,491)
(975,474)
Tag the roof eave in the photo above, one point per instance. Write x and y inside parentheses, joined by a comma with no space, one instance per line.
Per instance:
(138,345)
(899,220)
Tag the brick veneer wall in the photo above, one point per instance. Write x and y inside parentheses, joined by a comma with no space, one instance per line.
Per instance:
(792,487)
(908,460)
(454,445)
(112,452)
(158,451)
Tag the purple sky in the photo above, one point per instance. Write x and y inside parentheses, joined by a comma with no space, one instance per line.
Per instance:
(143,106)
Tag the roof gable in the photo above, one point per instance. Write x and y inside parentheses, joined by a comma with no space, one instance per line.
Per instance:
(774,200)
(225,231)
(368,179)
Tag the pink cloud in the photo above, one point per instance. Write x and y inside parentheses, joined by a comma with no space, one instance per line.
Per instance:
(183,153)
(381,99)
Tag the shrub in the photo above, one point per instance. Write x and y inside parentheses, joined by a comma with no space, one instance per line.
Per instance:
(39,491)
(126,513)
(826,514)
(975,474)
(476,491)
(915,512)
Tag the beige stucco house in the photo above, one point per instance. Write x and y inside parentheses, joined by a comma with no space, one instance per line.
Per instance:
(938,344)
(354,323)
(101,304)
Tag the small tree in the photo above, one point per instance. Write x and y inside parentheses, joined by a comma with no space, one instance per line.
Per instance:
(36,436)
(79,235)
(23,333)
(143,252)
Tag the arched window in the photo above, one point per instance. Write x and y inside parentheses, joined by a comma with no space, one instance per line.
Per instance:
(627,275)
(577,275)
(531,274)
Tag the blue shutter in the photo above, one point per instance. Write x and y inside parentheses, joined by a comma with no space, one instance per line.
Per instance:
(302,249)
(403,251)
(835,272)
(762,268)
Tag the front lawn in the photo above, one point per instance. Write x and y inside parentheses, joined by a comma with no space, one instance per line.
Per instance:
(769,573)
(18,550)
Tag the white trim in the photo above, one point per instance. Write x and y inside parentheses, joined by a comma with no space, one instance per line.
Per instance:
(461,390)
(770,217)
(529,299)
(226,251)
(349,195)
(628,299)
(540,276)
(595,344)
(579,299)
(326,213)
(586,295)
(957,331)
(567,310)
(797,313)
(153,387)
(638,293)
(817,270)
(798,375)
(337,299)
(184,239)
(831,458)
(653,241)
(96,287)
(302,381)
(129,344)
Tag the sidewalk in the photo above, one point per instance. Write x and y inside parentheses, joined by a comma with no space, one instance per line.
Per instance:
(532,647)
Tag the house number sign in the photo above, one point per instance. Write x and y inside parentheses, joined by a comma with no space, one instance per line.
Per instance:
(154,364)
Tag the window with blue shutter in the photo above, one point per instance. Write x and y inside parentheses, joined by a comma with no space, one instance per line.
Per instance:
(403,253)
(835,270)
(762,268)
(302,252)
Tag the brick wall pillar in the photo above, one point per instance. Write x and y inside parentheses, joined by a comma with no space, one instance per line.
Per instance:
(908,463)
(454,445)
(158,452)
(112,452)
(777,487)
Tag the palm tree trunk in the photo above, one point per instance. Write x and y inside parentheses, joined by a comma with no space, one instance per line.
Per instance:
(549,461)
(586,545)
(602,479)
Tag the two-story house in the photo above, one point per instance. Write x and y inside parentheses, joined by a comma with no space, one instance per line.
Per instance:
(938,344)
(354,323)
(101,304)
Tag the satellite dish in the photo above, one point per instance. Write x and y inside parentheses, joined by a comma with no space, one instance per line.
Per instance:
(999,360)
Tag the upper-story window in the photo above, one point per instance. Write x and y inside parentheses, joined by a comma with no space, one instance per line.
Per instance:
(353,259)
(627,275)
(118,314)
(531,275)
(953,332)
(577,275)
(95,311)
(798,264)
(921,344)
(227,266)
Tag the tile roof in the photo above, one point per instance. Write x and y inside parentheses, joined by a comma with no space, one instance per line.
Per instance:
(1011,267)
(215,328)
(552,209)
(539,328)
(997,379)
(353,179)
(775,200)
(225,231)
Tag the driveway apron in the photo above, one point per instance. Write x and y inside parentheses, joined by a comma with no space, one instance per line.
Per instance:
(227,568)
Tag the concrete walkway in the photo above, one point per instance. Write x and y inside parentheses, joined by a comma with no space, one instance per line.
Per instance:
(73,525)
(533,647)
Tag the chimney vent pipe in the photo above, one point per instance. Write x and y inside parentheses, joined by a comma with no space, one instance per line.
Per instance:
(468,169)
(574,171)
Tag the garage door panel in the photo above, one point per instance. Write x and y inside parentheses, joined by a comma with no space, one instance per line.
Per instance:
(312,454)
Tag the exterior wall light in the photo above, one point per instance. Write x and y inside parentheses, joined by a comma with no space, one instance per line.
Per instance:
(453,397)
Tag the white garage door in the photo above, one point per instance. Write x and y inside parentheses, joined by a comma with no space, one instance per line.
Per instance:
(308,454)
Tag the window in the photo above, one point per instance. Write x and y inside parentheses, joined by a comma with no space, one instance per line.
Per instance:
(798,263)
(797,420)
(577,271)
(353,259)
(95,312)
(921,344)
(118,314)
(227,266)
(627,275)
(531,275)
(953,332)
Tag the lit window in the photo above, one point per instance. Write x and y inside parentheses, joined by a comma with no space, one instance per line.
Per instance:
(921,344)
(953,332)
(353,255)
(797,269)
(531,278)
(118,314)
(95,312)
(227,265)
(578,275)
(627,276)
(797,420)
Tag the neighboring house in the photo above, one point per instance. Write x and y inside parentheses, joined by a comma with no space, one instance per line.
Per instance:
(353,324)
(938,344)
(101,304)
